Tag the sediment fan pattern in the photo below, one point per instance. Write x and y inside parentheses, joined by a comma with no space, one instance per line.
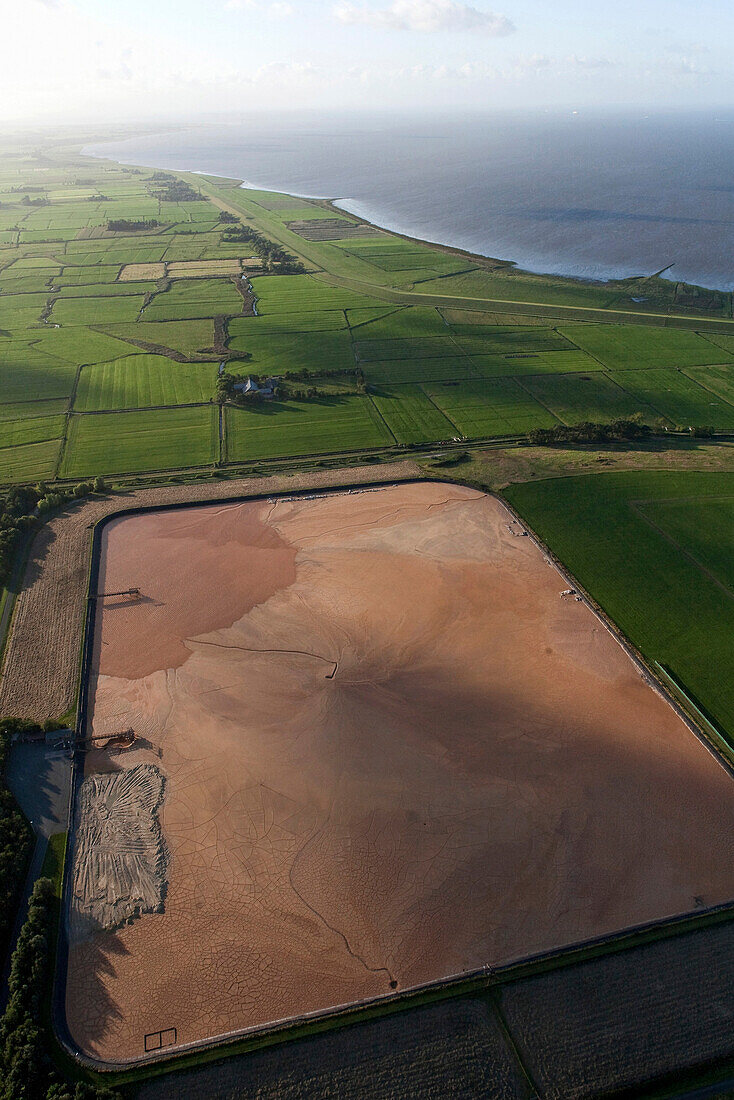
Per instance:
(121,859)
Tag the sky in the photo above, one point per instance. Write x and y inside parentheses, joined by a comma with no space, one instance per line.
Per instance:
(139,60)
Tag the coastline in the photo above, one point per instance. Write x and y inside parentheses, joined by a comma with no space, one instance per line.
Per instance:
(338,207)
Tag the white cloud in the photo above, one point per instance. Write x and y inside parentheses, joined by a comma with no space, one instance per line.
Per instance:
(278,10)
(425,15)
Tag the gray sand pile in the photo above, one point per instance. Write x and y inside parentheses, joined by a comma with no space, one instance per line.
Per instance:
(121,861)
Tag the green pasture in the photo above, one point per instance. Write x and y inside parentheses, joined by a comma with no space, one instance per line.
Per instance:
(104,290)
(574,398)
(637,346)
(411,415)
(95,311)
(536,362)
(27,375)
(38,429)
(677,397)
(190,298)
(655,550)
(400,324)
(187,337)
(24,410)
(721,340)
(394,371)
(130,442)
(316,321)
(492,407)
(278,429)
(518,340)
(719,380)
(137,381)
(29,461)
(284,354)
(78,345)
(301,293)
(369,351)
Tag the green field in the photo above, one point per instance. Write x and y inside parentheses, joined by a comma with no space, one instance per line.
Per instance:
(29,461)
(411,415)
(677,397)
(629,347)
(494,407)
(279,429)
(574,398)
(655,550)
(160,439)
(283,354)
(187,337)
(137,381)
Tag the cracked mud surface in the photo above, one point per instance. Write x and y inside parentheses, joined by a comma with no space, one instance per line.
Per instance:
(391,754)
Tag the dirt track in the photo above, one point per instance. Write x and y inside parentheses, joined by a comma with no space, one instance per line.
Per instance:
(392,753)
(41,661)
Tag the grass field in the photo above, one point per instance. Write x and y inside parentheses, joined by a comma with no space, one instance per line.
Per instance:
(494,407)
(29,461)
(160,439)
(283,354)
(573,398)
(411,415)
(140,380)
(278,429)
(188,337)
(655,550)
(677,397)
(629,346)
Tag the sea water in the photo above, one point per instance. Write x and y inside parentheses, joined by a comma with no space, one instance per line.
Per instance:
(595,196)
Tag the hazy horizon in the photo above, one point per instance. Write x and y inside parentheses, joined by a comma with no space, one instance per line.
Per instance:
(86,61)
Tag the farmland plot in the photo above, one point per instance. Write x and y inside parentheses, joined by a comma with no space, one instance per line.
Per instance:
(677,397)
(494,407)
(635,346)
(279,430)
(137,381)
(159,439)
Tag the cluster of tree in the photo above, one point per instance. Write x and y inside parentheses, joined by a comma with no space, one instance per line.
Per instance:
(124,225)
(20,190)
(16,838)
(17,507)
(28,201)
(226,383)
(26,1071)
(623,428)
(272,255)
(21,507)
(173,189)
(228,219)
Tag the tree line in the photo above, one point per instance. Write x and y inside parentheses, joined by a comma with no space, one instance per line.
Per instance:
(21,510)
(127,225)
(173,189)
(589,431)
(26,1070)
(273,256)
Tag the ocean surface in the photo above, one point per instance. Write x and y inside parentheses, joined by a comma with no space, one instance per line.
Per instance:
(595,196)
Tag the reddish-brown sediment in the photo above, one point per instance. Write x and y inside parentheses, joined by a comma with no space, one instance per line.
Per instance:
(392,753)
